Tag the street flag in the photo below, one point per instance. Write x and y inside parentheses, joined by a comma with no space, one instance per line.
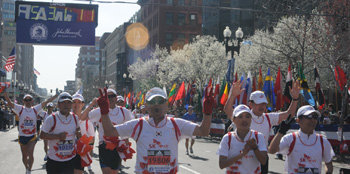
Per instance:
(4,85)
(248,88)
(268,90)
(278,90)
(260,81)
(188,94)
(305,90)
(217,93)
(289,84)
(340,76)
(241,96)
(36,72)
(319,93)
(181,92)
(224,95)
(172,93)
(254,83)
(11,60)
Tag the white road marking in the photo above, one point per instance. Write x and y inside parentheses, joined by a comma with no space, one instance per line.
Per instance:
(190,170)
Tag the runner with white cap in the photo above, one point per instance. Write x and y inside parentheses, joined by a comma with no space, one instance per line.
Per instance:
(44,115)
(157,136)
(244,150)
(110,160)
(27,114)
(120,101)
(304,148)
(262,121)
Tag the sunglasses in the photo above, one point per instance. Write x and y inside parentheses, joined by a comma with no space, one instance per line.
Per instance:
(112,96)
(310,116)
(28,100)
(157,101)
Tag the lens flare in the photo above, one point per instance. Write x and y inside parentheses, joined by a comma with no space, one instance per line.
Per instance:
(137,36)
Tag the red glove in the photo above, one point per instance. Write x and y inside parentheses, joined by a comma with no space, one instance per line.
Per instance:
(208,101)
(103,102)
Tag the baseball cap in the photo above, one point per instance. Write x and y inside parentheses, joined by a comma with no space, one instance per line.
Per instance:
(112,90)
(64,96)
(27,95)
(142,106)
(49,104)
(241,109)
(155,92)
(78,97)
(258,97)
(119,97)
(307,110)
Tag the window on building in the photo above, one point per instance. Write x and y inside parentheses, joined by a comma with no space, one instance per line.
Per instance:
(155,21)
(193,2)
(181,2)
(193,19)
(169,19)
(180,36)
(181,19)
(169,2)
(168,39)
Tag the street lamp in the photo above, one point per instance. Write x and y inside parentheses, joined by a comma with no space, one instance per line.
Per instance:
(232,48)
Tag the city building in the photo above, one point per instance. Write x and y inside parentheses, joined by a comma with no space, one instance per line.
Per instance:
(102,63)
(70,87)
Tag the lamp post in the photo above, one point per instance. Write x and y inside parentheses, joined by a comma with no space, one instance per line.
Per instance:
(125,86)
(232,48)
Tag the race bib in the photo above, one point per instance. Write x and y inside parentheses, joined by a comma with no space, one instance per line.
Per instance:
(158,161)
(305,170)
(28,124)
(65,147)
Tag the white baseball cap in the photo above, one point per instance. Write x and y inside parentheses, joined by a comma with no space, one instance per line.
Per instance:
(155,92)
(112,90)
(50,104)
(241,109)
(27,95)
(64,96)
(258,97)
(142,106)
(307,110)
(78,97)
(119,97)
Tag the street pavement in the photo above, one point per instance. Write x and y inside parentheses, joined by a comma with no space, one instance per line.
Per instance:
(204,159)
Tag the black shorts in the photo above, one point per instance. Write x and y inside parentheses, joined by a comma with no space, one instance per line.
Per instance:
(38,124)
(17,122)
(65,167)
(23,140)
(109,158)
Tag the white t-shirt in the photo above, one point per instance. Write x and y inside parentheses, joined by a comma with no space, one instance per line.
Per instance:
(43,115)
(249,163)
(261,124)
(61,150)
(87,128)
(115,115)
(27,119)
(307,152)
(156,146)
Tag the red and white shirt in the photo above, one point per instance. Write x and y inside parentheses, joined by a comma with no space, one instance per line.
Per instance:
(249,163)
(87,128)
(156,146)
(307,152)
(43,115)
(61,150)
(27,119)
(115,115)
(261,124)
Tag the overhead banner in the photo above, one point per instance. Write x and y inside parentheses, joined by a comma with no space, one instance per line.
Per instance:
(55,23)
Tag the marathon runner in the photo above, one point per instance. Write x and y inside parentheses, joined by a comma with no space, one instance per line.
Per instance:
(44,115)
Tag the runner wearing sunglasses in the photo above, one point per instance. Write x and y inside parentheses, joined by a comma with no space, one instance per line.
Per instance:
(27,126)
(157,135)
(304,148)
(110,160)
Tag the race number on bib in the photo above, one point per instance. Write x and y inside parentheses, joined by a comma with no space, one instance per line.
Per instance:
(159,161)
(65,148)
(305,170)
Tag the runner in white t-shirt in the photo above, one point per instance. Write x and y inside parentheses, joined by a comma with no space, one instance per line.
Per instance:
(304,148)
(110,160)
(61,129)
(44,115)
(261,121)
(243,150)
(157,136)
(86,128)
(27,126)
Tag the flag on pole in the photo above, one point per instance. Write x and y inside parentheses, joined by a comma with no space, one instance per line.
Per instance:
(289,83)
(36,72)
(248,88)
(181,92)
(305,90)
(172,93)
(260,81)
(268,90)
(224,96)
(319,93)
(278,90)
(217,93)
(11,60)
(254,83)
(243,85)
(340,76)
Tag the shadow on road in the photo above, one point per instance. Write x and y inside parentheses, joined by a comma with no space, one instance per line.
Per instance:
(198,158)
(274,172)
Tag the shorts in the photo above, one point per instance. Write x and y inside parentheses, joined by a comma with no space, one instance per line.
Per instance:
(17,122)
(109,158)
(63,167)
(23,140)
(38,124)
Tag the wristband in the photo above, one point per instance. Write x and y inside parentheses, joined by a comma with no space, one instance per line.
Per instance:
(295,99)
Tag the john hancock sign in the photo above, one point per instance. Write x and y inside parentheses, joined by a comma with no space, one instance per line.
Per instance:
(55,23)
